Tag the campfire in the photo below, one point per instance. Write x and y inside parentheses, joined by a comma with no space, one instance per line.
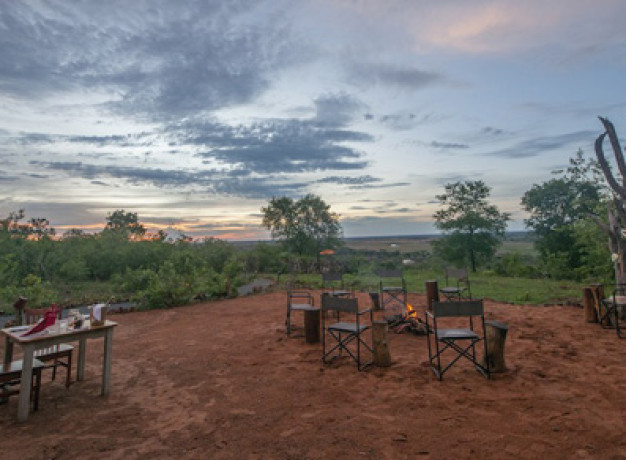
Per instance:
(406,321)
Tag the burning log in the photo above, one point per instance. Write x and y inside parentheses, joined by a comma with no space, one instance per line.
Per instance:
(409,322)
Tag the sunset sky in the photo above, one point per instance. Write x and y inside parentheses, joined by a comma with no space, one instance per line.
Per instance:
(194,113)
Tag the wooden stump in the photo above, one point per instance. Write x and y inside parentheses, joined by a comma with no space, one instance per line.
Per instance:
(432,293)
(589,305)
(312,325)
(496,338)
(598,296)
(382,357)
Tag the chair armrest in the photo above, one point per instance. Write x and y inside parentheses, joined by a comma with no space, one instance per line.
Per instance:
(429,314)
(302,295)
(363,312)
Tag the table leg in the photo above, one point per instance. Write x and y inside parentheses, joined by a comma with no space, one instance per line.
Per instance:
(82,351)
(25,383)
(106,362)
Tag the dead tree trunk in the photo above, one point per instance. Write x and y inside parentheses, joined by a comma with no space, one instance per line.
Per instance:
(617,213)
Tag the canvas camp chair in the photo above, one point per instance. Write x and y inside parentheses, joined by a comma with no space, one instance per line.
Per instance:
(332,284)
(297,300)
(457,284)
(612,311)
(392,290)
(348,335)
(10,381)
(56,355)
(461,341)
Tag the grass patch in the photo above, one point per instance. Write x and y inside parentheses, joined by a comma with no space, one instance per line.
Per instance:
(484,285)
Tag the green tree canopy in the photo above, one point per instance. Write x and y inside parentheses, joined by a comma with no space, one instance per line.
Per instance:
(305,226)
(125,224)
(562,201)
(36,227)
(472,227)
(558,206)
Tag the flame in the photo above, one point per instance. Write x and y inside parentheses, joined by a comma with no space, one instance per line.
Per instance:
(410,311)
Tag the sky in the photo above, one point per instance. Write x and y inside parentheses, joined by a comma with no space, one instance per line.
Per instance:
(194,114)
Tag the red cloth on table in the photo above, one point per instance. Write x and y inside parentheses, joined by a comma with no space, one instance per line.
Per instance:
(48,320)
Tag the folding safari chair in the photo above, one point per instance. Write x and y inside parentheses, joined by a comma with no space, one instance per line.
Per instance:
(612,313)
(457,284)
(347,334)
(297,300)
(462,341)
(392,295)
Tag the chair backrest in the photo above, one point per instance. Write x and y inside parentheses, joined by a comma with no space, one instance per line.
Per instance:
(459,308)
(458,273)
(390,273)
(32,315)
(340,304)
(329,277)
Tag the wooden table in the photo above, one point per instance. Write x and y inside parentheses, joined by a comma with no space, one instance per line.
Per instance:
(42,340)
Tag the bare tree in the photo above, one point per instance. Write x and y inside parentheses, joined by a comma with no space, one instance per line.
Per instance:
(616,227)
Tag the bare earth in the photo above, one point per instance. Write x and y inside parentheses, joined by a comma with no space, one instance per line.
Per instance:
(221,380)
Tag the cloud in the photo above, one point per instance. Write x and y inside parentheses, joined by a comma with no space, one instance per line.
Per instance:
(385,74)
(211,180)
(394,211)
(275,145)
(336,109)
(153,62)
(403,121)
(367,179)
(545,144)
(448,145)
(491,131)
(371,186)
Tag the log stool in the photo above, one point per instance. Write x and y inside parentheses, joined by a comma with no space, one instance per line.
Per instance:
(312,325)
(589,305)
(380,345)
(432,293)
(495,332)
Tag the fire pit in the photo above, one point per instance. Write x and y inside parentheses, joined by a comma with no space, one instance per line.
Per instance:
(407,321)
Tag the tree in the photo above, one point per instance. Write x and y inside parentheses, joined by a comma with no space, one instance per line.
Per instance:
(125,224)
(616,228)
(305,226)
(472,227)
(35,228)
(557,206)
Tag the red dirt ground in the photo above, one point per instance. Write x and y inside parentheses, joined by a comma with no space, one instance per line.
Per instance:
(221,380)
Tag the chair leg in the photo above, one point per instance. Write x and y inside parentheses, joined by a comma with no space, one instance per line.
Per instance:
(36,389)
(68,378)
(54,368)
